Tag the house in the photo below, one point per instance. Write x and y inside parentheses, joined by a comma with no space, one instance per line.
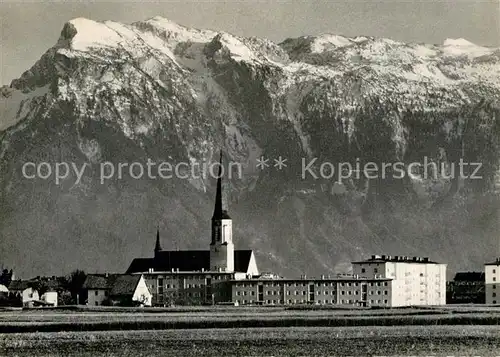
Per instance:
(466,288)
(117,289)
(416,281)
(23,290)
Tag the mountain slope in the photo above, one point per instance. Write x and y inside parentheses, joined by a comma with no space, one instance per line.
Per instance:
(157,90)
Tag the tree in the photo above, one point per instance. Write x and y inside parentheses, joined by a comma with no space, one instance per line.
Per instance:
(6,277)
(74,283)
(40,286)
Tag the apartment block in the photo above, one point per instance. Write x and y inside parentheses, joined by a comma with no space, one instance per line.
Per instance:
(349,291)
(415,280)
(492,282)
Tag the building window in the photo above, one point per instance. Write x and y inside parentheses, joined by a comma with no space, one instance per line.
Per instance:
(494,287)
(494,271)
(363,270)
(494,301)
(494,294)
(375,270)
(96,303)
(96,292)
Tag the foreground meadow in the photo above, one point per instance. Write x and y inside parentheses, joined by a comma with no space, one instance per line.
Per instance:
(89,319)
(292,341)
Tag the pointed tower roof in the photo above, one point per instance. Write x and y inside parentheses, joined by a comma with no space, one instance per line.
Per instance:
(220,210)
(158,245)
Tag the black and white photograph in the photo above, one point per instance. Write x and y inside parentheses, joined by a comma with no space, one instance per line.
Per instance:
(250,178)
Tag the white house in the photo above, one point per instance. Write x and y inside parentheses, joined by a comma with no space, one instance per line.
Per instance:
(117,289)
(24,291)
(50,298)
(415,280)
(492,282)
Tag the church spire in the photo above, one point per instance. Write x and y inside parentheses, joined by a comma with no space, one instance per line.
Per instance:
(157,245)
(220,209)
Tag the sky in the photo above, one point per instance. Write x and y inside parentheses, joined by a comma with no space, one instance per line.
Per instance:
(29,28)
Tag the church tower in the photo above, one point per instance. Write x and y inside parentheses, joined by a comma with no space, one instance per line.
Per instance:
(221,246)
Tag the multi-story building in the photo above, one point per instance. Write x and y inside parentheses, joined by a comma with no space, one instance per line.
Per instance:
(415,281)
(326,291)
(492,282)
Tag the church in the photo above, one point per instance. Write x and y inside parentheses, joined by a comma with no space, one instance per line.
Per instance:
(195,276)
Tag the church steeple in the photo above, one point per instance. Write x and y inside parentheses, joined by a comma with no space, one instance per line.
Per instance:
(220,209)
(157,245)
(221,246)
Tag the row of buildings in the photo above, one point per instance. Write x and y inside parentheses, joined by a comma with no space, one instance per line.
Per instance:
(224,275)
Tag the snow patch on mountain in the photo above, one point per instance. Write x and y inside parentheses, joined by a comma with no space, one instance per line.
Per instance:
(460,47)
(328,42)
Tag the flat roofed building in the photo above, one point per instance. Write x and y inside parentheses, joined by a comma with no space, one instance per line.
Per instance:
(338,291)
(190,287)
(492,282)
(416,280)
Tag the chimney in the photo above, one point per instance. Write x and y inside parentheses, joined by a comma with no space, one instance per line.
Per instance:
(373,257)
(383,257)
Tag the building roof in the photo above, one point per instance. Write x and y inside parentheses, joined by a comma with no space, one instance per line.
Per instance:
(19,285)
(220,209)
(116,284)
(396,259)
(496,262)
(96,281)
(124,284)
(186,260)
(312,280)
(469,276)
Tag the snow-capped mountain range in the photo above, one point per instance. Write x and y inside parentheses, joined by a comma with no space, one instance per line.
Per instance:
(155,89)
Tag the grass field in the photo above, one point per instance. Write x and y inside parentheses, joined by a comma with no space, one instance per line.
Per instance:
(294,341)
(239,331)
(85,319)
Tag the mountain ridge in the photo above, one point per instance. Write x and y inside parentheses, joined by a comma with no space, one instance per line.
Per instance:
(154,89)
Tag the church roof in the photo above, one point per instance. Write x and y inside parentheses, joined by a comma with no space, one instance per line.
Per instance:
(186,260)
